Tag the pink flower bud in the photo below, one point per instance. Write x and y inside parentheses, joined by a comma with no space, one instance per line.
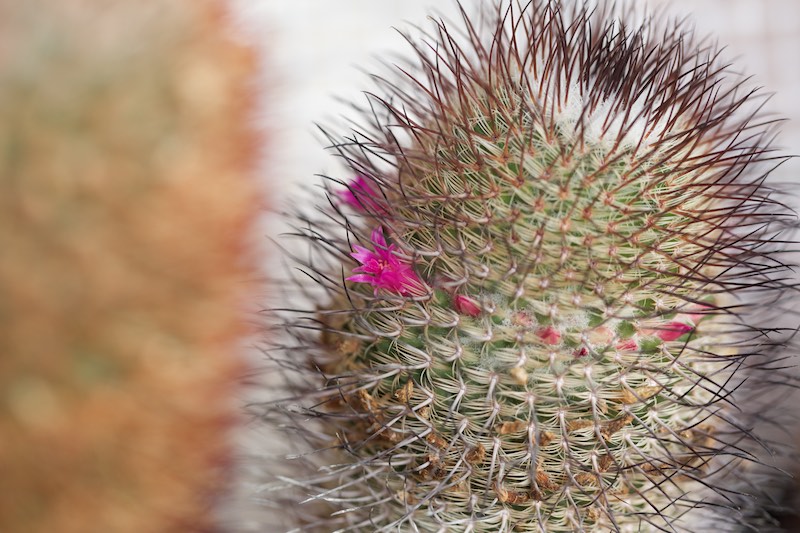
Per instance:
(361,195)
(628,344)
(466,305)
(671,331)
(549,335)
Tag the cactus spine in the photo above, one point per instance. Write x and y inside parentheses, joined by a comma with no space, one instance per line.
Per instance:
(550,241)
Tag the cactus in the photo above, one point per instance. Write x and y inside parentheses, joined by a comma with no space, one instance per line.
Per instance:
(542,286)
(124,160)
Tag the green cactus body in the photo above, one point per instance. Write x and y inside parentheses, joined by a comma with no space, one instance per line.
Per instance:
(539,334)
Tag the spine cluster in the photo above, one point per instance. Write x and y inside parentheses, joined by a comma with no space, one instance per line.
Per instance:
(540,287)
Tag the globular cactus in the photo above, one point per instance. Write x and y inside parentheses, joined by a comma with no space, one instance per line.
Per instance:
(125,153)
(542,287)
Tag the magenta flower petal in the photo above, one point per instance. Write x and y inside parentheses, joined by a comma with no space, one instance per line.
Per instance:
(347,197)
(360,194)
(360,278)
(380,241)
(361,254)
(370,266)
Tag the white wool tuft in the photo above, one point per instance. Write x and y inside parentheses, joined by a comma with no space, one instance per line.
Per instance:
(603,126)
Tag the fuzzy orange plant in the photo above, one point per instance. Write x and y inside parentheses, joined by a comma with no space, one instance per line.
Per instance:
(125,153)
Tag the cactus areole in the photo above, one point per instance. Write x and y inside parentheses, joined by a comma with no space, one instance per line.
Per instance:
(536,286)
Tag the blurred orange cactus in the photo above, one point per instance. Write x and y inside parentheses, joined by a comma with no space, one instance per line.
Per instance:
(125,161)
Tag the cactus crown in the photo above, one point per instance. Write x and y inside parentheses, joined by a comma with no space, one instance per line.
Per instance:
(555,219)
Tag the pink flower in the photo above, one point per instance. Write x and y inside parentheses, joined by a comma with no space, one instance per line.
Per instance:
(549,335)
(383,269)
(466,305)
(360,194)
